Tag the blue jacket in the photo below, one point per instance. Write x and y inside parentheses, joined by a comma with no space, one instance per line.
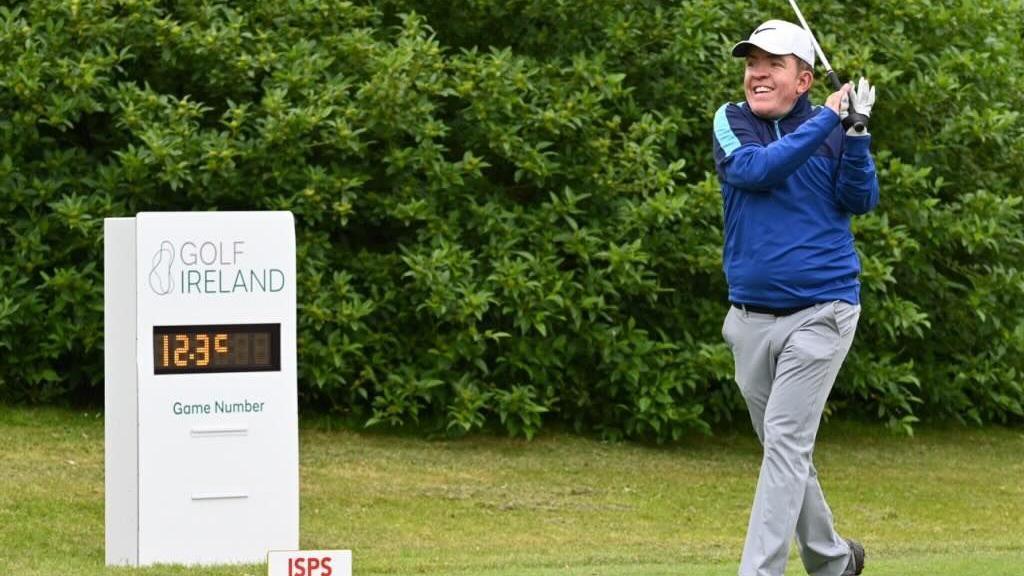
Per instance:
(789,187)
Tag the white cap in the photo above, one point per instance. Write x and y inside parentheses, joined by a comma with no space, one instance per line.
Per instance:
(780,38)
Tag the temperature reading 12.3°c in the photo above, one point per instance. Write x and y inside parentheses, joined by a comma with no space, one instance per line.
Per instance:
(200,349)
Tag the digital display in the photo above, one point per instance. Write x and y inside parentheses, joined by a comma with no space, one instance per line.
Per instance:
(216,348)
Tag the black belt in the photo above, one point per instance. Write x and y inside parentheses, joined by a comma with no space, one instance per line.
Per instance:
(772,311)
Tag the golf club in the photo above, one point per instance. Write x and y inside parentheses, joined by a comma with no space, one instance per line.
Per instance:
(833,78)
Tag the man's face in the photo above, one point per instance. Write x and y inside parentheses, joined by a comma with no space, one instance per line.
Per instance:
(773,83)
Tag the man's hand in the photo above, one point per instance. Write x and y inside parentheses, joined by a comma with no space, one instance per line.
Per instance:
(863,98)
(835,100)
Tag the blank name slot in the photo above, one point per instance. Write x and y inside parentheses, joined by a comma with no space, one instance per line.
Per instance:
(219,431)
(220,496)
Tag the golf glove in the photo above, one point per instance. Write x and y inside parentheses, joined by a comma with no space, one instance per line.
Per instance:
(855,117)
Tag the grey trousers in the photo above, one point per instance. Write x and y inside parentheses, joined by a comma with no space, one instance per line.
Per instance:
(785,369)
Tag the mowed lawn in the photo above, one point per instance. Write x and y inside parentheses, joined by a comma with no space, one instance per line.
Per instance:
(948,501)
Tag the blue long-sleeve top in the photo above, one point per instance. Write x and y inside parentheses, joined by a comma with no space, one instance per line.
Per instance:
(789,188)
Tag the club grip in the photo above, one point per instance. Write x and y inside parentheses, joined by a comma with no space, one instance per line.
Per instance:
(855,120)
(833,79)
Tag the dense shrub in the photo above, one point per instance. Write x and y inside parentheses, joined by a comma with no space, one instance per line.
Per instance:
(506,208)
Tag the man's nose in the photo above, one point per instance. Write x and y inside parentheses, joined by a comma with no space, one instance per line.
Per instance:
(759,71)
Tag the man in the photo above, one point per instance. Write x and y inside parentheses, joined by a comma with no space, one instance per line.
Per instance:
(792,175)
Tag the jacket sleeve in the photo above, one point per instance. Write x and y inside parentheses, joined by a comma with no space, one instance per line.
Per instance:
(743,162)
(857,185)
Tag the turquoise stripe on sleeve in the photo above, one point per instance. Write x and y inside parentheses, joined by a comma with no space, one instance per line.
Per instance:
(726,139)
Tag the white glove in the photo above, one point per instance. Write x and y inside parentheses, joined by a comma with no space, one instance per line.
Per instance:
(863,98)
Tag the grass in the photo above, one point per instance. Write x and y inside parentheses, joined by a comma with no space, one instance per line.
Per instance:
(948,501)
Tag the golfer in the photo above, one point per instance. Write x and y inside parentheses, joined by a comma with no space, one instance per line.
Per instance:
(792,176)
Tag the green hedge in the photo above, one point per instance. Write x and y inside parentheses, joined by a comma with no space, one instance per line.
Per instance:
(507,213)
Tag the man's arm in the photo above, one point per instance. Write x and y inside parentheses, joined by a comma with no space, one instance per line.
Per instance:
(857,185)
(751,166)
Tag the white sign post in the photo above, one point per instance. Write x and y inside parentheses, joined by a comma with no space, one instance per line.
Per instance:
(200,395)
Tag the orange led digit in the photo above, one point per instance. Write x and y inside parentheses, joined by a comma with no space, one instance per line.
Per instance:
(180,358)
(220,343)
(203,351)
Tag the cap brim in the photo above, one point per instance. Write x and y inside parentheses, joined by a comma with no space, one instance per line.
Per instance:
(741,49)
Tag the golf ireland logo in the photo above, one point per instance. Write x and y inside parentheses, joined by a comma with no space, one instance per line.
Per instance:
(160,280)
(209,267)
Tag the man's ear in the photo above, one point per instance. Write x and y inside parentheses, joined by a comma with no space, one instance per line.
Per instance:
(804,81)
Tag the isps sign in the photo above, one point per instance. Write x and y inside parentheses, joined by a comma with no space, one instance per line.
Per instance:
(310,563)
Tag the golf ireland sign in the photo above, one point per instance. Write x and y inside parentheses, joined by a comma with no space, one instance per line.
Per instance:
(200,387)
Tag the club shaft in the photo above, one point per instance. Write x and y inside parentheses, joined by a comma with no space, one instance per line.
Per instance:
(833,78)
(814,41)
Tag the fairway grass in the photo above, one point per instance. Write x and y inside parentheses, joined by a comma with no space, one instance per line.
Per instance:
(948,501)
